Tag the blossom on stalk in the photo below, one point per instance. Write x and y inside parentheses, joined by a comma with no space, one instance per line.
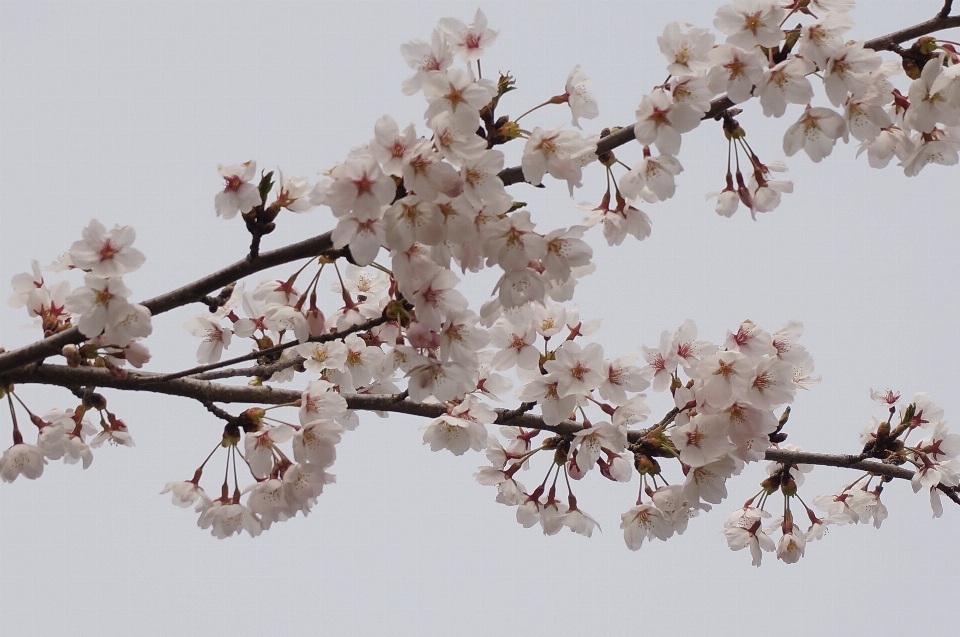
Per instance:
(561,153)
(687,51)
(620,377)
(642,522)
(462,428)
(186,493)
(618,222)
(456,92)
(215,338)
(425,59)
(823,38)
(320,402)
(106,254)
(22,459)
(468,41)
(702,440)
(816,132)
(360,188)
(652,179)
(102,304)
(661,122)
(848,72)
(865,117)
(743,529)
(935,148)
(456,143)
(929,100)
(363,237)
(735,71)
(389,146)
(294,194)
(751,23)
(225,519)
(577,371)
(425,174)
(238,195)
(315,443)
(785,83)
(582,102)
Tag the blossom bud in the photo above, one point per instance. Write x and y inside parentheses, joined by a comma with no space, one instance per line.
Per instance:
(508,131)
(95,401)
(419,334)
(882,432)
(646,465)
(770,484)
(908,414)
(231,436)
(72,354)
(789,487)
(252,419)
(573,469)
(675,384)
(397,312)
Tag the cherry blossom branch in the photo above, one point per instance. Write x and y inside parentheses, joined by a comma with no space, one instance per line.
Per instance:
(190,293)
(199,290)
(939,23)
(207,393)
(718,106)
(851,462)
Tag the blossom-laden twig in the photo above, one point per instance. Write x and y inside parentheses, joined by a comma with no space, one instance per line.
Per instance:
(208,393)
(438,200)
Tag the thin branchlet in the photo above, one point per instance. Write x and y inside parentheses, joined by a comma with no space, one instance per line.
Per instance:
(265,371)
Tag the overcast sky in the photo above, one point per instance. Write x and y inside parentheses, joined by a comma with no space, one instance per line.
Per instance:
(121,111)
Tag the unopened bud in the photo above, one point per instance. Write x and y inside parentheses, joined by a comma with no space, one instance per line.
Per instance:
(645,464)
(72,354)
(95,401)
(510,130)
(789,488)
(252,419)
(770,485)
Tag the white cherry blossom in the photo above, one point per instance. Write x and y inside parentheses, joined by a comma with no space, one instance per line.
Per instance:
(817,130)
(22,459)
(424,59)
(686,47)
(750,23)
(581,101)
(106,254)
(468,41)
(239,195)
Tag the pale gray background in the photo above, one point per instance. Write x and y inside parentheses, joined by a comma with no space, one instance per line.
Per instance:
(121,111)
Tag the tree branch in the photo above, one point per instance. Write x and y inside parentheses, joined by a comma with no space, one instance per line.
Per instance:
(624,135)
(207,393)
(190,293)
(321,244)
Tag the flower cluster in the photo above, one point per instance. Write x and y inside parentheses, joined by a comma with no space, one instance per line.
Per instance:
(723,418)
(760,59)
(282,487)
(934,457)
(61,434)
(101,308)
